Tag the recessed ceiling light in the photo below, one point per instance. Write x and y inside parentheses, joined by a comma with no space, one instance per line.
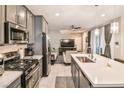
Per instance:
(102,15)
(57,14)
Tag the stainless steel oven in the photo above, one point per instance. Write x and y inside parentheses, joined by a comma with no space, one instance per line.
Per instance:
(33,78)
(15,33)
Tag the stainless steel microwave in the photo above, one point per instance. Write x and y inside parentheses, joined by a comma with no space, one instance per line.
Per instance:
(15,33)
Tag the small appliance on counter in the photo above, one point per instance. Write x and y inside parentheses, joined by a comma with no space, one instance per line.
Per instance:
(1,66)
(22,53)
(29,51)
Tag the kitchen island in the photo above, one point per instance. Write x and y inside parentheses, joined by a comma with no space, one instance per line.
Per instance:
(99,72)
(10,79)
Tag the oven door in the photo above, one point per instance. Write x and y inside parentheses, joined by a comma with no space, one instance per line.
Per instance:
(34,77)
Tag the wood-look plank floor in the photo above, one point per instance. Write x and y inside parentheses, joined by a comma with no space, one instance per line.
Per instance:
(64,82)
(57,70)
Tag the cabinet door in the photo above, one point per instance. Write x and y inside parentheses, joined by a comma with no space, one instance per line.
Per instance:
(11,13)
(84,83)
(30,26)
(76,77)
(21,15)
(2,19)
(75,73)
(43,26)
(46,27)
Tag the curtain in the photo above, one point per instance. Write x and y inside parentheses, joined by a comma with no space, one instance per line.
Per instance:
(89,38)
(108,36)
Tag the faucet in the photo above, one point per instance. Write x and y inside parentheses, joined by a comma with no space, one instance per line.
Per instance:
(92,54)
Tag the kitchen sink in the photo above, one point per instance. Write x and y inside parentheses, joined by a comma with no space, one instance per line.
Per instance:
(85,60)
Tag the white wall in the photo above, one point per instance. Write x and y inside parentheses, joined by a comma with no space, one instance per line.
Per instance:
(122,37)
(56,36)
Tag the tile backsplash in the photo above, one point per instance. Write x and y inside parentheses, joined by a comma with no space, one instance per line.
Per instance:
(10,48)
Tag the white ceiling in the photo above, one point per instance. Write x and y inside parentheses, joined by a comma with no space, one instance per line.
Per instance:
(86,16)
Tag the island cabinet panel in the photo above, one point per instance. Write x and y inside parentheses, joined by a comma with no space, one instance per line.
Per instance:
(11,13)
(2,19)
(75,73)
(80,81)
(83,82)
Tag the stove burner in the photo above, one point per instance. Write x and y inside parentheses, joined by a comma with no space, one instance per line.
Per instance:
(11,66)
(22,67)
(20,64)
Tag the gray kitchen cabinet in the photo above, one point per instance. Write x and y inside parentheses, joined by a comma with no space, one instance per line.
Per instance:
(83,82)
(79,79)
(44,25)
(11,13)
(75,73)
(16,14)
(30,26)
(21,15)
(2,19)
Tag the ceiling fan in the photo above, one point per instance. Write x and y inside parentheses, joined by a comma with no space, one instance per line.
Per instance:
(73,29)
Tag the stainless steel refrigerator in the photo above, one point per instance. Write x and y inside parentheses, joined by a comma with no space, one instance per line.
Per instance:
(46,51)
(41,45)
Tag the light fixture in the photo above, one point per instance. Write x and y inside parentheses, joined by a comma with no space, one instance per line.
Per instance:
(102,15)
(22,14)
(96,31)
(1,56)
(57,14)
(17,26)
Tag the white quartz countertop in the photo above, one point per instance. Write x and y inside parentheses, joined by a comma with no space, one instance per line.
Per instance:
(99,74)
(8,77)
(34,57)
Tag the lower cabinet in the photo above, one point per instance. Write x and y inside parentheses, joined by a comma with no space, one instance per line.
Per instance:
(75,74)
(83,82)
(80,81)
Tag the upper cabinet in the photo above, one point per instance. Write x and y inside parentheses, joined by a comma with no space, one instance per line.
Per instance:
(11,14)
(16,14)
(2,19)
(30,26)
(44,25)
(21,15)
